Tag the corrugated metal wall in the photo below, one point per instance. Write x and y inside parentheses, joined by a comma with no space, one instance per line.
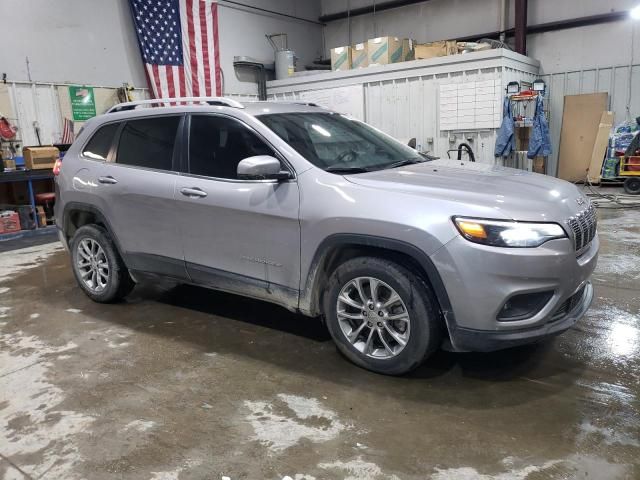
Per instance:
(613,80)
(409,108)
(47,104)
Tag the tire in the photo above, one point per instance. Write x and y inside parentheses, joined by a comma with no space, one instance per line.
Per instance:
(632,185)
(385,352)
(113,283)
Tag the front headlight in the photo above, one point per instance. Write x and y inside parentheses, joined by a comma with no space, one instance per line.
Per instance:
(498,233)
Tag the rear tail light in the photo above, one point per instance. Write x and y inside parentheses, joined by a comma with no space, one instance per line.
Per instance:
(56,166)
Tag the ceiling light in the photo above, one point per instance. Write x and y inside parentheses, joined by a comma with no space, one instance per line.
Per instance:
(635,13)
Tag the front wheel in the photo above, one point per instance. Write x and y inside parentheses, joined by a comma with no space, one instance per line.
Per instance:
(382,316)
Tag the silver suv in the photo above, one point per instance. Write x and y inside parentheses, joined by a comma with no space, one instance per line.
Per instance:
(318,212)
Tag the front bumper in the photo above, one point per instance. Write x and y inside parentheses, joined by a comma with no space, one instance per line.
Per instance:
(470,340)
(480,279)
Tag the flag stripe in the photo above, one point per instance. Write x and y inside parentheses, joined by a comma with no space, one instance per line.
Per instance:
(198,46)
(187,82)
(192,58)
(183,84)
(216,49)
(205,33)
(175,80)
(162,79)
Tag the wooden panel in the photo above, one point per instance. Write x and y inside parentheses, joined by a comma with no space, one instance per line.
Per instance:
(580,123)
(600,146)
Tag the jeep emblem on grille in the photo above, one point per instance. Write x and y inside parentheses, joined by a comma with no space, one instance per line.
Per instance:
(580,201)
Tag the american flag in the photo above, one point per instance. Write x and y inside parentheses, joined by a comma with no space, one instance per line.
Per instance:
(68,135)
(178,41)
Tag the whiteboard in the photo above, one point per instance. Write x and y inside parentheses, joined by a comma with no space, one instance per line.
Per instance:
(348,100)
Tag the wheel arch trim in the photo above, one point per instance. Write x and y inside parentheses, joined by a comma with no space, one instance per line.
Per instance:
(85,207)
(309,295)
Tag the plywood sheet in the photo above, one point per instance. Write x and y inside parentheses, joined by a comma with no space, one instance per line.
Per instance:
(600,147)
(580,124)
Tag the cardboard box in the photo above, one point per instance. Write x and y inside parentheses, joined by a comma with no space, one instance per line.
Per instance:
(539,165)
(360,55)
(408,52)
(9,165)
(36,158)
(384,50)
(9,221)
(341,58)
(424,51)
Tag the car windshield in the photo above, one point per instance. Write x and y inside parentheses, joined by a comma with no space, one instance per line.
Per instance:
(338,143)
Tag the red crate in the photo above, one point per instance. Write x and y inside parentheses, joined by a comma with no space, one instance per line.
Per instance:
(9,222)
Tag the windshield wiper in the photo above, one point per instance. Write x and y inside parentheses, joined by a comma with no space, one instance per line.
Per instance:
(336,169)
(402,163)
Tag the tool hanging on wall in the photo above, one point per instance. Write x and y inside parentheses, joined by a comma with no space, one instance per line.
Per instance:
(36,129)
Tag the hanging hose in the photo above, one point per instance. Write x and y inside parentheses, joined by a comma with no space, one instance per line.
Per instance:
(461,147)
(467,147)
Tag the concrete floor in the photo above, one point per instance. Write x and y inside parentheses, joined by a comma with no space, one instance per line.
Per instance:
(183,383)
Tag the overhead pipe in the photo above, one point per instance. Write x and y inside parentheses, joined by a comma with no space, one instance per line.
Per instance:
(503,20)
(374,8)
(554,26)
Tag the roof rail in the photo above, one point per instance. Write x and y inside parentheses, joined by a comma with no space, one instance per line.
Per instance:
(161,102)
(308,104)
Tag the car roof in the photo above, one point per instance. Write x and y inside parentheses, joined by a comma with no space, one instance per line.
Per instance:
(261,108)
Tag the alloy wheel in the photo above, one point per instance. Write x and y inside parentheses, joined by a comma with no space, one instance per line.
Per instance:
(373,317)
(93,265)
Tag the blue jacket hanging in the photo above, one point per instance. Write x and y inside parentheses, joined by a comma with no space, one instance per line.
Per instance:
(539,142)
(506,142)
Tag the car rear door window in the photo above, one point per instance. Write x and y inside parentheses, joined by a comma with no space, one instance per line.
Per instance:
(217,144)
(148,142)
(98,147)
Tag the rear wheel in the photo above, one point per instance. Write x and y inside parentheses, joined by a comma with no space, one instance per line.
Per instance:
(632,185)
(97,266)
(381,316)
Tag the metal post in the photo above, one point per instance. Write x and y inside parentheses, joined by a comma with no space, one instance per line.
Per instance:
(521,26)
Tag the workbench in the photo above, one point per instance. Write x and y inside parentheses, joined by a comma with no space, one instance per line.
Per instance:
(28,176)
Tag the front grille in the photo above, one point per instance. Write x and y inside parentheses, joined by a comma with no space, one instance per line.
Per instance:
(583,226)
(568,305)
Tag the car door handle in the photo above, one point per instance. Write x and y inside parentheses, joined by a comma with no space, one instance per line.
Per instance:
(108,180)
(193,192)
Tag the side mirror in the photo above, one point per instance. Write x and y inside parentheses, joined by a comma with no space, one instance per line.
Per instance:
(261,167)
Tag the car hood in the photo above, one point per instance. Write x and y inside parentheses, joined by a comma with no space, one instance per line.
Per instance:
(480,188)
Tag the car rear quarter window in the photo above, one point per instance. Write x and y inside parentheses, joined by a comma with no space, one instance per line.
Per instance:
(148,142)
(98,147)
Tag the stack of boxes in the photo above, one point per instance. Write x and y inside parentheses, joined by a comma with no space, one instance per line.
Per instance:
(376,51)
(386,50)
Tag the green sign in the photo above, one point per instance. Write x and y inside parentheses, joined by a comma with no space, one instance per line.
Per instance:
(83,103)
